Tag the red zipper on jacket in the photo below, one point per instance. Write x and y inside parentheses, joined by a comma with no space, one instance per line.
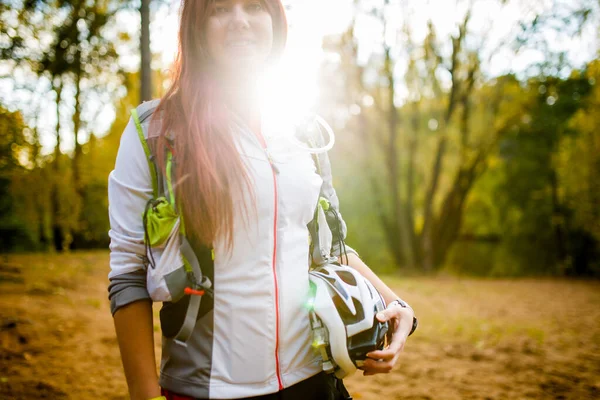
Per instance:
(263,142)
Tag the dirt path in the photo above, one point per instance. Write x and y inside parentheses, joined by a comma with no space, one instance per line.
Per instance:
(57,339)
(508,339)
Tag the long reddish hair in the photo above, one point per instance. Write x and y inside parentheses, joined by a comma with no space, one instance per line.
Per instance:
(191,120)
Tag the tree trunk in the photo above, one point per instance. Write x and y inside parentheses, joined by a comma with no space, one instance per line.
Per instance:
(146,56)
(403,229)
(428,241)
(447,227)
(558,218)
(57,231)
(77,153)
(427,235)
(76,127)
(44,241)
(410,181)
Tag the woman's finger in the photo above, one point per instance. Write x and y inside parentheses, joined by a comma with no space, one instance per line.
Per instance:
(385,354)
(388,314)
(371,367)
(398,342)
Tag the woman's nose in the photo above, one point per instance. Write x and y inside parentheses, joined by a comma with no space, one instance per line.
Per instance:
(239,17)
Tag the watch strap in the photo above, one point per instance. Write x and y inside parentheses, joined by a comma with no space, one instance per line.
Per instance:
(404,304)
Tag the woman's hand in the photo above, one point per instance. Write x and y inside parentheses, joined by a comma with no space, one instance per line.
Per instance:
(400,320)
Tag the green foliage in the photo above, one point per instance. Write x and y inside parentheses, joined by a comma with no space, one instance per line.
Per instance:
(71,47)
(537,226)
(578,167)
(526,202)
(469,174)
(13,233)
(94,225)
(11,141)
(31,208)
(463,174)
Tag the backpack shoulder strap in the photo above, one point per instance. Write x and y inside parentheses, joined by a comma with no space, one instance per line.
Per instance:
(161,180)
(312,143)
(146,109)
(149,156)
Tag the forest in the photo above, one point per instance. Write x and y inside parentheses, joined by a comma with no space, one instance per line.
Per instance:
(466,162)
(450,157)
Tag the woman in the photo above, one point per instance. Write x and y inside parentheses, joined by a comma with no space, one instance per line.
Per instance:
(247,196)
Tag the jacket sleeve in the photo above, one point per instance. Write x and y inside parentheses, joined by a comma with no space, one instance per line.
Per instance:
(129,189)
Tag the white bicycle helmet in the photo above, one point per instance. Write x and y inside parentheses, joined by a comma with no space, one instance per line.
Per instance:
(342,306)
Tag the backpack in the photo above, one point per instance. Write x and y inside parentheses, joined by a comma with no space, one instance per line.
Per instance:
(183,275)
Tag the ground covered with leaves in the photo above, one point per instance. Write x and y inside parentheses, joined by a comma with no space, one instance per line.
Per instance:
(478,339)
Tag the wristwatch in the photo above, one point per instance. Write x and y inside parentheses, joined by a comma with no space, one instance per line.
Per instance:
(404,304)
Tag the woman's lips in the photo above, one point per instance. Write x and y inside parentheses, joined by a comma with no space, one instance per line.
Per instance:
(239,43)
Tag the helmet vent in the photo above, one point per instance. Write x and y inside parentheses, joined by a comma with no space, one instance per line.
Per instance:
(347,277)
(346,314)
(338,288)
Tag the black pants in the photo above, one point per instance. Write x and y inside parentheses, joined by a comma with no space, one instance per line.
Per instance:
(319,387)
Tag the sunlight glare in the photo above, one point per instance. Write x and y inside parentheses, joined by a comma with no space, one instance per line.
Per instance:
(288,93)
(290,89)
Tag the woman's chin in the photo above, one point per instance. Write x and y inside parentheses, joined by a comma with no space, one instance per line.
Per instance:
(245,70)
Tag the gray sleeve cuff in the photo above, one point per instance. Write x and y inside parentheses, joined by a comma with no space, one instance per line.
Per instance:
(127,288)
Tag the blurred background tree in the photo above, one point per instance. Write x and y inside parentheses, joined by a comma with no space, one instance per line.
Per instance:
(451,159)
(460,165)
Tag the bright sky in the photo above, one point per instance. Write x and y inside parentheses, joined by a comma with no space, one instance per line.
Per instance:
(296,85)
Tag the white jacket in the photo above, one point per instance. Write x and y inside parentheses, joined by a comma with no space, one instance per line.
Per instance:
(255,339)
